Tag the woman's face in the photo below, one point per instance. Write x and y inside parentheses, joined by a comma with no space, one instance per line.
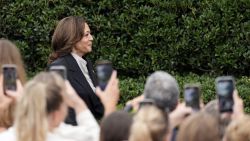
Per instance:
(84,46)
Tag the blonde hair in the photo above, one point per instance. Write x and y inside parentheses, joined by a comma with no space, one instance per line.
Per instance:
(40,99)
(150,124)
(238,130)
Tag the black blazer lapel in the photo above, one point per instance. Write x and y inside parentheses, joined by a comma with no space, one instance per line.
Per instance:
(91,71)
(81,85)
(76,73)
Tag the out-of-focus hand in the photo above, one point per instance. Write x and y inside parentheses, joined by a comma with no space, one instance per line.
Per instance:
(4,100)
(18,93)
(110,96)
(238,108)
(135,102)
(9,96)
(202,105)
(179,114)
(72,99)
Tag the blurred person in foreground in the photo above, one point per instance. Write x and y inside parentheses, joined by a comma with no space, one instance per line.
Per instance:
(87,128)
(150,124)
(238,130)
(40,105)
(199,127)
(9,54)
(224,119)
(116,126)
(163,89)
(43,107)
(212,108)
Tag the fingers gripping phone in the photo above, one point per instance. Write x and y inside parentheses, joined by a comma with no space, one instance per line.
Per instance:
(9,77)
(192,96)
(61,70)
(225,86)
(104,70)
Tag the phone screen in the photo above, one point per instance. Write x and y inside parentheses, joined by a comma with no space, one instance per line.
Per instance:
(10,76)
(224,89)
(192,97)
(61,70)
(146,102)
(104,72)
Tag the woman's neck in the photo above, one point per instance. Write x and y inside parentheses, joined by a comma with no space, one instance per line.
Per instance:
(77,53)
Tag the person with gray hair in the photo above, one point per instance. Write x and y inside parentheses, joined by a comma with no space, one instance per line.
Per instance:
(163,89)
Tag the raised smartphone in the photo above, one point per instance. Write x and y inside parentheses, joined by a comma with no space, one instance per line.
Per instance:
(104,71)
(225,86)
(61,70)
(192,96)
(9,77)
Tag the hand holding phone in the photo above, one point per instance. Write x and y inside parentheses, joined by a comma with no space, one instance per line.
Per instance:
(104,70)
(9,77)
(192,96)
(110,96)
(225,86)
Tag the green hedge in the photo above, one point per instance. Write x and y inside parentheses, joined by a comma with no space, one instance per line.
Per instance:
(140,36)
(131,88)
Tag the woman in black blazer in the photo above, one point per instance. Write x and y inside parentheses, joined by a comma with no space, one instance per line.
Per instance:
(71,42)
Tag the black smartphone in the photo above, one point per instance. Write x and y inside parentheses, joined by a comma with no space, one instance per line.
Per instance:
(225,86)
(61,70)
(9,77)
(192,94)
(104,71)
(146,102)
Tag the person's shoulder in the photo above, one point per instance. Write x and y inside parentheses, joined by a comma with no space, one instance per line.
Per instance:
(58,61)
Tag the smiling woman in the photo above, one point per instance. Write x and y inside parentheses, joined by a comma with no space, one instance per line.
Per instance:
(71,42)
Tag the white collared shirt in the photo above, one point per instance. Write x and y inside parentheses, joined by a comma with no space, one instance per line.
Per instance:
(83,66)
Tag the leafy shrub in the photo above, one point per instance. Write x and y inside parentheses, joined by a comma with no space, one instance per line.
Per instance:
(140,36)
(143,36)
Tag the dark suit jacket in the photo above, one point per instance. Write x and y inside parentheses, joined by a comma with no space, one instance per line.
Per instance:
(81,86)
